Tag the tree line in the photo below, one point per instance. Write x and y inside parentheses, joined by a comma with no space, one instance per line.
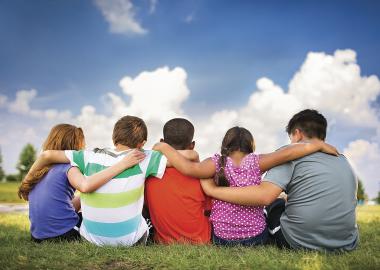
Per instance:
(26,159)
(29,154)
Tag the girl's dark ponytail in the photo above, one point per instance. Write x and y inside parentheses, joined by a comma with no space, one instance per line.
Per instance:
(221,179)
(236,139)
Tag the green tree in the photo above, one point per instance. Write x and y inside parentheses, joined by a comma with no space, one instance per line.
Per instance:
(2,174)
(26,160)
(361,193)
(378,198)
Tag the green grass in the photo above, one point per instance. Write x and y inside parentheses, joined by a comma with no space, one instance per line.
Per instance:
(8,193)
(18,252)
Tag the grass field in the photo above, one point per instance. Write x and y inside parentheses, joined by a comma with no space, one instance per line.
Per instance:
(8,193)
(18,252)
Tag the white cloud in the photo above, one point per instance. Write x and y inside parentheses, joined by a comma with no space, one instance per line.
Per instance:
(156,95)
(333,84)
(97,128)
(330,83)
(152,6)
(3,100)
(120,14)
(21,103)
(365,159)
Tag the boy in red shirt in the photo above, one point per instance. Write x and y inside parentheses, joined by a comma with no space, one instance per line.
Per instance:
(176,203)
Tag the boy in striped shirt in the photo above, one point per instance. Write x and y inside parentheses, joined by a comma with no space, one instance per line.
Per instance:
(112,215)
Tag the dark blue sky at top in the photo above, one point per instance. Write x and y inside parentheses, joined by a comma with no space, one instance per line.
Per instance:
(65,50)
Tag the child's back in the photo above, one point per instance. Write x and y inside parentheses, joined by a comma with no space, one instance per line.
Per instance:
(51,212)
(177,203)
(112,215)
(232,221)
(177,207)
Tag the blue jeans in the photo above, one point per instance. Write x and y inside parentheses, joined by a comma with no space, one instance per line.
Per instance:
(260,239)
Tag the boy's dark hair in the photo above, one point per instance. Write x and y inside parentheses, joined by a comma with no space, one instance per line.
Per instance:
(129,131)
(179,133)
(236,139)
(310,122)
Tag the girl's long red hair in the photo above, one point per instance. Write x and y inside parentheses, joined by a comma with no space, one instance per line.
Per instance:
(61,137)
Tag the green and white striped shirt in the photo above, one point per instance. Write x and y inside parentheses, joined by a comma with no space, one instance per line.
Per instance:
(112,214)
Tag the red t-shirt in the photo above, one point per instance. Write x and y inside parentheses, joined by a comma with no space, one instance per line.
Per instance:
(176,205)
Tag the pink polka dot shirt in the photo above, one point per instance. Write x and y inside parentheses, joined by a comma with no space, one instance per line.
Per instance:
(232,221)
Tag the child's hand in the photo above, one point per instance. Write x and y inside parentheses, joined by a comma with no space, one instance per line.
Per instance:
(159,146)
(329,149)
(208,185)
(132,158)
(191,155)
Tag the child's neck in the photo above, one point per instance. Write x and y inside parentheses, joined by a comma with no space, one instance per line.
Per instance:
(120,148)
(237,157)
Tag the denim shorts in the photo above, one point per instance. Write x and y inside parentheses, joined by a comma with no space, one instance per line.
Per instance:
(260,239)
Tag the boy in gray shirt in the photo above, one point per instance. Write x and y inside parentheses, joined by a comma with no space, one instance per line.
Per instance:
(320,210)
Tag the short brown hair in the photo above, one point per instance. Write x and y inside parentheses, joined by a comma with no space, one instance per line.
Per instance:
(179,133)
(129,131)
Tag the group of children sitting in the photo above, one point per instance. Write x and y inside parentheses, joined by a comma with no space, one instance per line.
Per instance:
(122,187)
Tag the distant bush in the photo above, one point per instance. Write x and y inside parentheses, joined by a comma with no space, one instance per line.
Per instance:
(12,178)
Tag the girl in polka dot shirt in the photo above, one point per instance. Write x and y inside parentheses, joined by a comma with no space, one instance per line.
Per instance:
(237,166)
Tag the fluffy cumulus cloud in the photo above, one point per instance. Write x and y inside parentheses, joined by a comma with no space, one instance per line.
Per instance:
(120,14)
(365,159)
(330,83)
(155,96)
(333,84)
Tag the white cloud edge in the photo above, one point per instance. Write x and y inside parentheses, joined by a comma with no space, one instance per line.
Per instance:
(121,16)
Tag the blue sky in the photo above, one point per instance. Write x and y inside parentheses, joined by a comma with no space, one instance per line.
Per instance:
(64,47)
(250,63)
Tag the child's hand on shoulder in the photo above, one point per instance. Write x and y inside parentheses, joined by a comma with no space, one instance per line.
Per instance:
(326,148)
(191,155)
(132,158)
(329,149)
(159,146)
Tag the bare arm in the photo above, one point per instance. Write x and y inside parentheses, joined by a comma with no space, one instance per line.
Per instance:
(93,182)
(188,154)
(204,169)
(261,195)
(76,203)
(292,152)
(45,159)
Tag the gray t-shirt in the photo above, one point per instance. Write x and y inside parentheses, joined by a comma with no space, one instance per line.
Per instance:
(320,211)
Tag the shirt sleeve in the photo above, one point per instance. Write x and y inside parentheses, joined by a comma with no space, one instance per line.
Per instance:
(255,166)
(215,158)
(157,165)
(76,159)
(280,175)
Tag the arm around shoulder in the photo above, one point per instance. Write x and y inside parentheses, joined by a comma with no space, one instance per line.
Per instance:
(93,182)
(204,169)
(294,151)
(261,195)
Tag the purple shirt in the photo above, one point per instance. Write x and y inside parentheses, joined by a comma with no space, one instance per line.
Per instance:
(51,212)
(232,221)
